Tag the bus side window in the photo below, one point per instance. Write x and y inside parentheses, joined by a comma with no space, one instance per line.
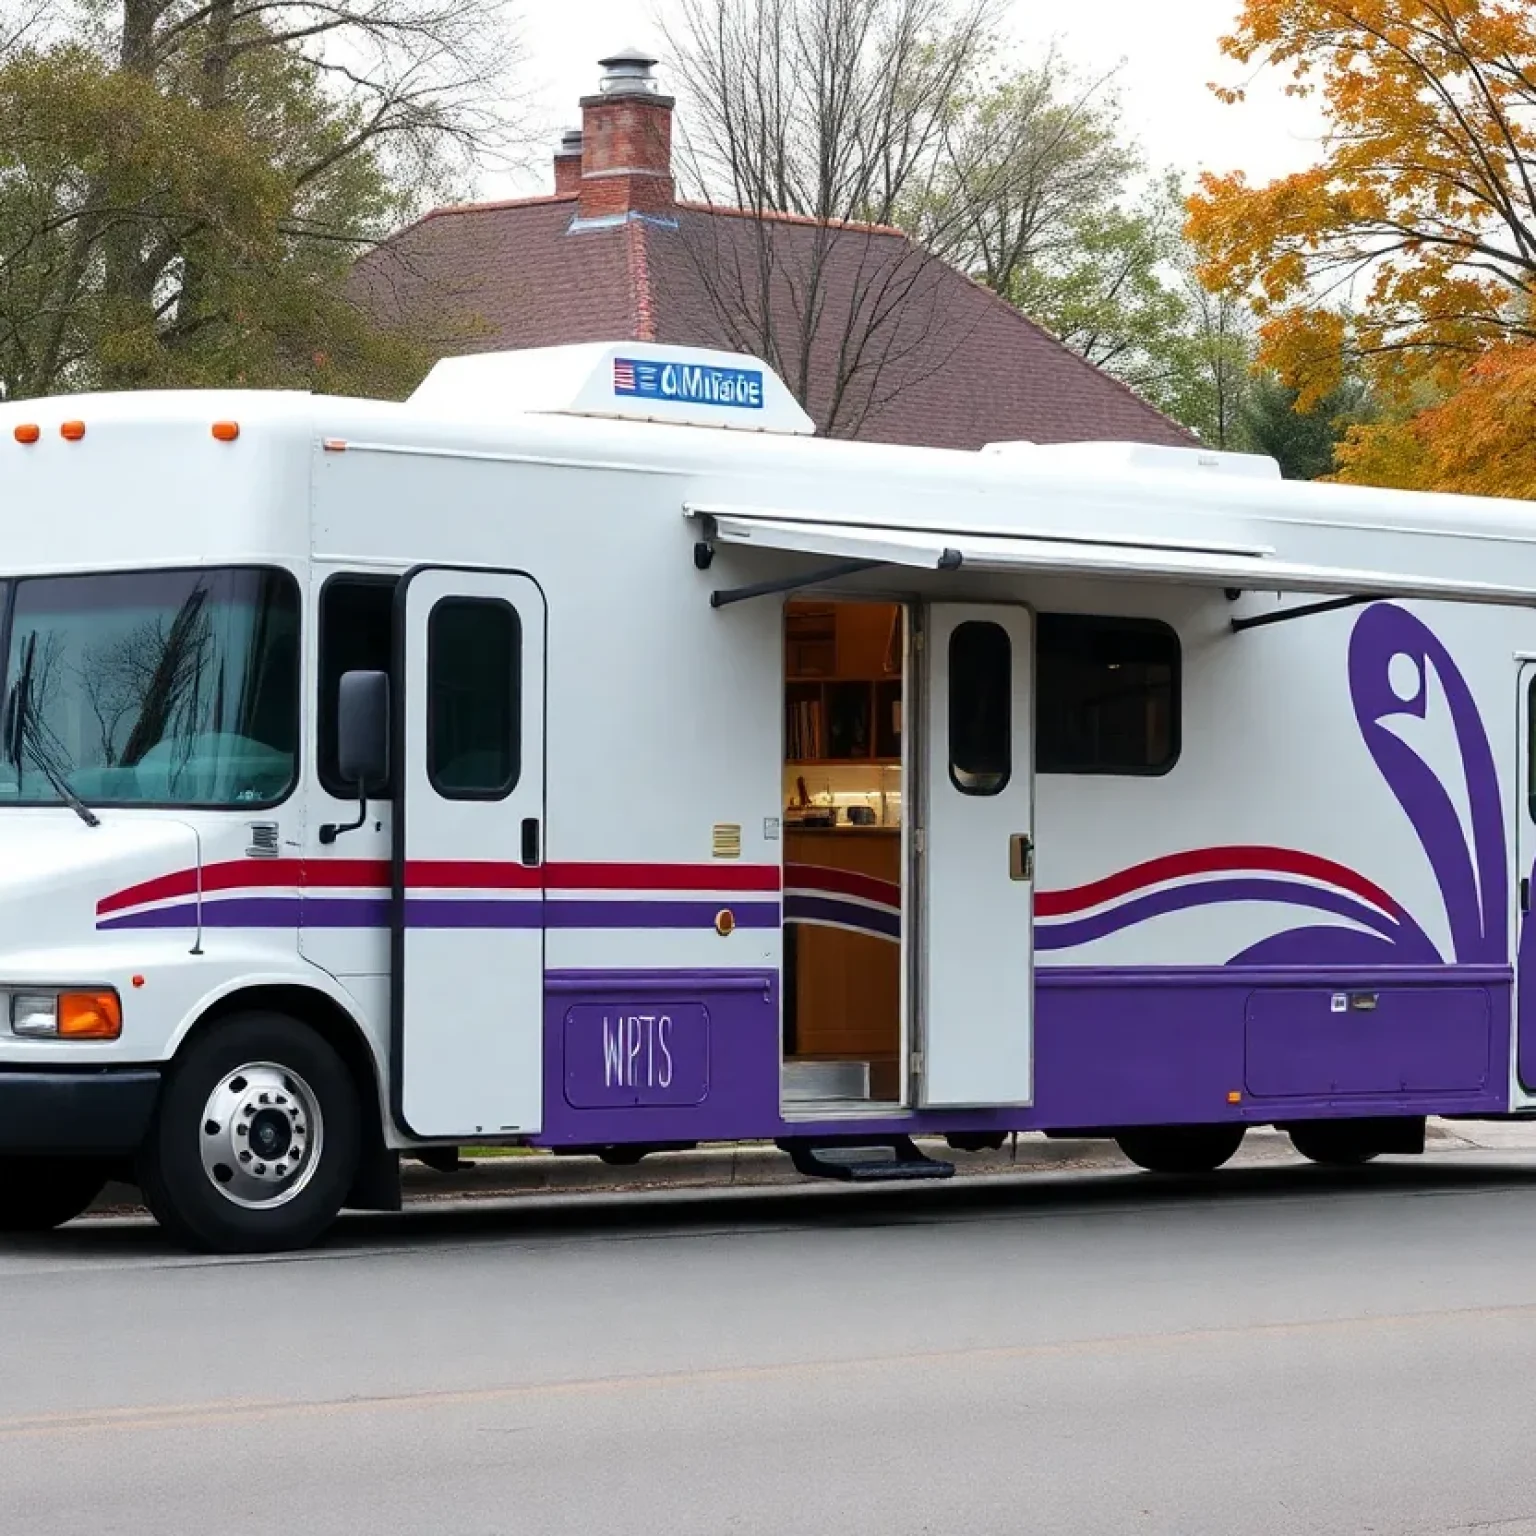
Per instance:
(356,635)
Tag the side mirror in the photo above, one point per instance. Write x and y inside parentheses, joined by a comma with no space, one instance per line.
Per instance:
(362,729)
(362,741)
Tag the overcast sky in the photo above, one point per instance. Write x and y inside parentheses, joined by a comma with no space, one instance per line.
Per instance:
(1168,48)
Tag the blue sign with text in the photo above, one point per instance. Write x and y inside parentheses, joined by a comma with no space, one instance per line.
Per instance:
(688,383)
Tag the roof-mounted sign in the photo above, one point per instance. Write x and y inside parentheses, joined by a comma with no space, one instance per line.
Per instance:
(632,380)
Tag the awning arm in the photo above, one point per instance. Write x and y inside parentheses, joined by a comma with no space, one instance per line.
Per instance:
(720,597)
(1306,610)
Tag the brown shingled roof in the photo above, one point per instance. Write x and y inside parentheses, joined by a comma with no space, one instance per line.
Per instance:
(949,363)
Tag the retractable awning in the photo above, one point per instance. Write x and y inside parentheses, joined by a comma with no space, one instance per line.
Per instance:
(1250,568)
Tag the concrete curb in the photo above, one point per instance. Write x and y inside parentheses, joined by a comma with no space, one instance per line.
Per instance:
(747,1165)
(739,1165)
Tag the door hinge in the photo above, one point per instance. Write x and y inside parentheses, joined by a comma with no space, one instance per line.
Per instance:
(919,840)
(915,1066)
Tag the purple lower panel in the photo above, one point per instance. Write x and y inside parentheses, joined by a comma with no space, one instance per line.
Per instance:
(1165,1046)
(1112,1048)
(660,1056)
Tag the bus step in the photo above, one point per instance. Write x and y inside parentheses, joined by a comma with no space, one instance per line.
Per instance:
(852,1162)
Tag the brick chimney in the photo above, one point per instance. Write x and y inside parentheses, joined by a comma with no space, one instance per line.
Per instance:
(568,163)
(626,142)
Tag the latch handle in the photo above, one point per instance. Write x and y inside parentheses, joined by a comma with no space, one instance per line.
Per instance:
(1021,856)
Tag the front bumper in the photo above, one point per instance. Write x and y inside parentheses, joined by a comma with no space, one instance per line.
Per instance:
(103,1111)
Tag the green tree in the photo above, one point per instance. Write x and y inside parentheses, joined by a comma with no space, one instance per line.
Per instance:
(1304,442)
(184,185)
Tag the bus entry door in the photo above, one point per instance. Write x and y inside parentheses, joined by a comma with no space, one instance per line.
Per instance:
(975,857)
(468,879)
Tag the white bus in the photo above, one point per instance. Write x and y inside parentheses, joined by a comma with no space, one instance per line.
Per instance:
(581,754)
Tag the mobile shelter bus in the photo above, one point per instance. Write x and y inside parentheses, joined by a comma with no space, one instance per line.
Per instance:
(581,754)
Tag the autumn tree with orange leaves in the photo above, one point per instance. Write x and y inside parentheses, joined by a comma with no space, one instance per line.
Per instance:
(1409,250)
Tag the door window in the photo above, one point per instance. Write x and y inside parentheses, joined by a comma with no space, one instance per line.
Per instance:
(474,682)
(980,707)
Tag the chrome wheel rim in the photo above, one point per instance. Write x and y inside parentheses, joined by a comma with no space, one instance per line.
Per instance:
(261,1136)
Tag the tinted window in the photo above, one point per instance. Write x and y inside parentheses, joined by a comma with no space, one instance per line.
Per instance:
(980,707)
(474,671)
(1106,695)
(356,635)
(153,688)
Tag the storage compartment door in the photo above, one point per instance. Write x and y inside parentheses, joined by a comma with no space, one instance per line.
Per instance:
(975,857)
(468,907)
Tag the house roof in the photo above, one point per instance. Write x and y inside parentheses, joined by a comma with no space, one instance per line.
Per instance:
(901,348)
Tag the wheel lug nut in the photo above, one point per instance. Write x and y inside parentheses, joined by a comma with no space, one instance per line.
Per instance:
(245,1157)
(248,1109)
(281,1169)
(242,1130)
(265,1098)
(260,1168)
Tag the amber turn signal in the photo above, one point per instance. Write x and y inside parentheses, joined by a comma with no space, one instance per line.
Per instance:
(90,1016)
(725,923)
(226,431)
(72,431)
(28,432)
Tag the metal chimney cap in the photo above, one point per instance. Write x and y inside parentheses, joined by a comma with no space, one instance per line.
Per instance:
(628,70)
(570,142)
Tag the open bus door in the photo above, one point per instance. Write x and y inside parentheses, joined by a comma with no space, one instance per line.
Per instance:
(468,888)
(975,857)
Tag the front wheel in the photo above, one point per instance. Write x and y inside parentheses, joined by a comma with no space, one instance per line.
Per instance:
(38,1194)
(255,1141)
(1181,1148)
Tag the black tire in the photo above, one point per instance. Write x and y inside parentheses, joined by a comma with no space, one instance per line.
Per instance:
(179,1190)
(38,1194)
(1181,1148)
(1332,1143)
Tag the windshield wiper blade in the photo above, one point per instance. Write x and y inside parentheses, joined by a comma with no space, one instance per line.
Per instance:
(24,739)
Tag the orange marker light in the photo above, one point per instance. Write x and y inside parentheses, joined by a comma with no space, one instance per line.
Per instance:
(226,431)
(28,432)
(137,981)
(90,1016)
(72,431)
(1234,1097)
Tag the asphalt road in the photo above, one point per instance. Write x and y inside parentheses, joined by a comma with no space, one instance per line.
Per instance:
(1277,1350)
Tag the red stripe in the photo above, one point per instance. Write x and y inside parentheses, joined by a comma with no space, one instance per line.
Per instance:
(842,882)
(445,874)
(1209,861)
(662,877)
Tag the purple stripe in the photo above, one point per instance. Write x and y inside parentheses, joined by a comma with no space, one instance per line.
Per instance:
(1184,898)
(182,915)
(846,914)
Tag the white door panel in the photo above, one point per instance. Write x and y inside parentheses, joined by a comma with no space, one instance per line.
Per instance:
(468,878)
(975,865)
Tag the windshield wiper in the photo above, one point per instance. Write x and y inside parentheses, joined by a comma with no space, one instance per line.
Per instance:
(24,739)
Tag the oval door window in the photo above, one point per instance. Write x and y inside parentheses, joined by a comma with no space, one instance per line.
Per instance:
(980,707)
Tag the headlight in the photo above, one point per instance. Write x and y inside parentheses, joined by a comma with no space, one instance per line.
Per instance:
(67,1015)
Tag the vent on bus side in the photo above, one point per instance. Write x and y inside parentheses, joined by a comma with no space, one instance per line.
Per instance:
(264,840)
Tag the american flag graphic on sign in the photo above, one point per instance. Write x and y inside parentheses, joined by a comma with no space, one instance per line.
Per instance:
(623,377)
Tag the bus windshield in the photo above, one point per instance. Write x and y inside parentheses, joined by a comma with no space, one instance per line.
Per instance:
(151,688)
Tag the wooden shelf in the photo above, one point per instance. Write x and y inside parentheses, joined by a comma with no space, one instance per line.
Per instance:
(842,762)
